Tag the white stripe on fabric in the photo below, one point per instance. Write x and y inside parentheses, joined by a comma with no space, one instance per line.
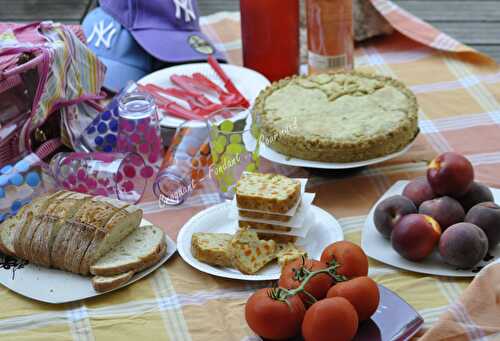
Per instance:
(460,314)
(459,83)
(231,45)
(384,7)
(219,16)
(398,57)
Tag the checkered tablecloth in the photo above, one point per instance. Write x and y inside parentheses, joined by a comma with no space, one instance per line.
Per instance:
(459,95)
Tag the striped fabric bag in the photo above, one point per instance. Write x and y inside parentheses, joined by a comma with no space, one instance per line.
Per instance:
(47,77)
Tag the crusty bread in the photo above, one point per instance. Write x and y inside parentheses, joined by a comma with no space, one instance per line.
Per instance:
(92,216)
(58,212)
(287,253)
(249,253)
(121,224)
(267,192)
(264,216)
(262,226)
(7,229)
(212,248)
(27,223)
(102,283)
(143,245)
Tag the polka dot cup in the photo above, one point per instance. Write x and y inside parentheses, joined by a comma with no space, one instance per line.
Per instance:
(101,133)
(19,183)
(139,130)
(114,175)
(234,145)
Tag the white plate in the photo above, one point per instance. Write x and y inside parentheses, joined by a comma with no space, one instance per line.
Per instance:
(56,286)
(379,248)
(272,155)
(215,219)
(248,82)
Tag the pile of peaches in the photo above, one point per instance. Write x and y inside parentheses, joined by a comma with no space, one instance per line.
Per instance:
(445,209)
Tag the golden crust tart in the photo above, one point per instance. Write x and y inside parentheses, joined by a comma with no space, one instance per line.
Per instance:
(337,117)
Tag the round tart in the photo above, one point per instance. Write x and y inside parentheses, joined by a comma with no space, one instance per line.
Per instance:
(339,117)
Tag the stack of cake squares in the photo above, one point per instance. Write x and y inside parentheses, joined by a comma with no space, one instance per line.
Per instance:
(274,206)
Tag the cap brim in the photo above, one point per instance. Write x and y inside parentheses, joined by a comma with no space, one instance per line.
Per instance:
(172,46)
(118,74)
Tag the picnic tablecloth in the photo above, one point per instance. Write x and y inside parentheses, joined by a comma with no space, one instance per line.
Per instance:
(459,95)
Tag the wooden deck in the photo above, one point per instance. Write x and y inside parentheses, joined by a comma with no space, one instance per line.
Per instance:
(474,22)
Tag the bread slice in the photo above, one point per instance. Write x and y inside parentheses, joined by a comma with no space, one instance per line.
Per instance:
(102,283)
(57,213)
(278,238)
(249,253)
(212,248)
(267,192)
(7,232)
(92,216)
(265,216)
(287,253)
(244,224)
(144,244)
(124,222)
(27,224)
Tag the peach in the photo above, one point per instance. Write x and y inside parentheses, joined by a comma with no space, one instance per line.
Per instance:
(419,190)
(463,245)
(486,216)
(476,194)
(450,174)
(415,236)
(389,211)
(445,210)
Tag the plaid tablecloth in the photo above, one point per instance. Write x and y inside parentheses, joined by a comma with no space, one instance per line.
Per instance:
(459,97)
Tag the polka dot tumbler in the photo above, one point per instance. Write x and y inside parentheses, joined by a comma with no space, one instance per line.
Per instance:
(101,133)
(19,183)
(139,130)
(234,144)
(114,175)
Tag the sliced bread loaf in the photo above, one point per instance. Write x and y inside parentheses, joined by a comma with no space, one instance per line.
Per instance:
(142,246)
(267,192)
(7,231)
(89,218)
(212,248)
(121,224)
(102,283)
(27,223)
(57,213)
(249,253)
(244,224)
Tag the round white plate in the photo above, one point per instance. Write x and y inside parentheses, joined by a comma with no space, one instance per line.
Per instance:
(272,155)
(57,286)
(248,82)
(326,230)
(379,248)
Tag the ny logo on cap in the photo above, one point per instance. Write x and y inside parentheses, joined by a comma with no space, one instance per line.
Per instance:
(102,34)
(187,6)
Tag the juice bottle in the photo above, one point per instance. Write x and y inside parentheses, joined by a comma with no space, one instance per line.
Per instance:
(329,35)
(270,35)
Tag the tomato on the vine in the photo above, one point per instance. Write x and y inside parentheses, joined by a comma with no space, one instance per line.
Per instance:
(292,276)
(351,258)
(272,318)
(330,319)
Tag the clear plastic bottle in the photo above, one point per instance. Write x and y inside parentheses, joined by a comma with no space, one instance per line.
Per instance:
(329,35)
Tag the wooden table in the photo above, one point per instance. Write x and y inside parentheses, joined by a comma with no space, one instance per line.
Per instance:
(474,22)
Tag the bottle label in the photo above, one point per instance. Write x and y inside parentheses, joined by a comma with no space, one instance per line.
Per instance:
(320,62)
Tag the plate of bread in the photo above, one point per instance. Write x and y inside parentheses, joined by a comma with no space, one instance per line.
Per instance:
(69,246)
(270,223)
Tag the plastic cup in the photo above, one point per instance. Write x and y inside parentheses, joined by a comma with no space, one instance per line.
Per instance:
(19,183)
(234,144)
(114,175)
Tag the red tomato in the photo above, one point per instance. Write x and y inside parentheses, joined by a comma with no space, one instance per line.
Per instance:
(317,286)
(330,319)
(362,292)
(274,319)
(352,259)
